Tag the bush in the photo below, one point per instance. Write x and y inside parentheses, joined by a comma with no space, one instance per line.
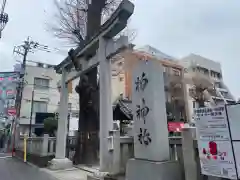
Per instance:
(50,126)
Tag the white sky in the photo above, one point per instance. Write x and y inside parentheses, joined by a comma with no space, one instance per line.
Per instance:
(209,28)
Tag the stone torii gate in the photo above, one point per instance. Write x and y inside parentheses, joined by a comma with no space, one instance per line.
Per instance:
(106,50)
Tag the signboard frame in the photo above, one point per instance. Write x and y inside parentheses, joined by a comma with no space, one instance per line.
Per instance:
(231,136)
(219,137)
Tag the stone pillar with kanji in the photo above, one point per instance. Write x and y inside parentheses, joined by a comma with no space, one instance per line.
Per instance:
(151,144)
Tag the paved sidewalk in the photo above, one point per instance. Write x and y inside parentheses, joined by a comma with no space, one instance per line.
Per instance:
(13,169)
(68,174)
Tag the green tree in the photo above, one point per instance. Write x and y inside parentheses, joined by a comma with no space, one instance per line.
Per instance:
(8,129)
(50,126)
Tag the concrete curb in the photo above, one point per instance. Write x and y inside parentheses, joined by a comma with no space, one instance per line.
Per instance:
(54,173)
(36,167)
(28,163)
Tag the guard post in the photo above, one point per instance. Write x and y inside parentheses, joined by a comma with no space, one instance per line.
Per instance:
(25,148)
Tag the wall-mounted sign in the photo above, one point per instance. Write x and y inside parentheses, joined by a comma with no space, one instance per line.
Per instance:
(8,86)
(11,111)
(175,126)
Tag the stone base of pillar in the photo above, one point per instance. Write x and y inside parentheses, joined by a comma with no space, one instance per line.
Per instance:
(60,164)
(98,176)
(143,170)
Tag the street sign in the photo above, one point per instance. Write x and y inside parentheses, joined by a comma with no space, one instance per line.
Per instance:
(175,126)
(11,111)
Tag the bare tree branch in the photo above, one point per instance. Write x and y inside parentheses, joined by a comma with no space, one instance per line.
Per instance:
(71,20)
(201,89)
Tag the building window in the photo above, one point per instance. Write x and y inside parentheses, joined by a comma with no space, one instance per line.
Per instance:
(41,83)
(11,102)
(70,107)
(40,65)
(198,69)
(194,104)
(39,106)
(205,71)
(215,74)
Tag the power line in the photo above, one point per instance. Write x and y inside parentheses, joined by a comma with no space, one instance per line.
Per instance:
(23,50)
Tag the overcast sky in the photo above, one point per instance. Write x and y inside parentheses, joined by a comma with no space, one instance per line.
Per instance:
(210,28)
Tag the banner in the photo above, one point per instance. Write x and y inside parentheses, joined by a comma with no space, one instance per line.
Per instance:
(8,85)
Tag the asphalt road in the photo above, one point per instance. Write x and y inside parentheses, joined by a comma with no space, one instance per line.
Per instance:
(13,169)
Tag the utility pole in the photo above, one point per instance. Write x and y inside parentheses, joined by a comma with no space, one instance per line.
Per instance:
(30,125)
(23,50)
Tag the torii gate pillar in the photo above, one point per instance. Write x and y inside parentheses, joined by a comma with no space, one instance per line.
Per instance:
(106,113)
(60,161)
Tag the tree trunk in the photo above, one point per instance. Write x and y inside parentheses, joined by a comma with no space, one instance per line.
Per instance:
(94,21)
(94,17)
(88,140)
(92,141)
(80,146)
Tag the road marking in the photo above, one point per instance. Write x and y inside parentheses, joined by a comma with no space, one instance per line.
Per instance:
(5,157)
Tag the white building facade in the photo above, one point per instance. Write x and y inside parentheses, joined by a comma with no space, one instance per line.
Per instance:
(210,70)
(41,94)
(155,52)
(41,86)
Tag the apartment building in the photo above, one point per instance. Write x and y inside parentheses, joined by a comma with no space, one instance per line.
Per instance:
(122,68)
(155,53)
(209,71)
(41,92)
